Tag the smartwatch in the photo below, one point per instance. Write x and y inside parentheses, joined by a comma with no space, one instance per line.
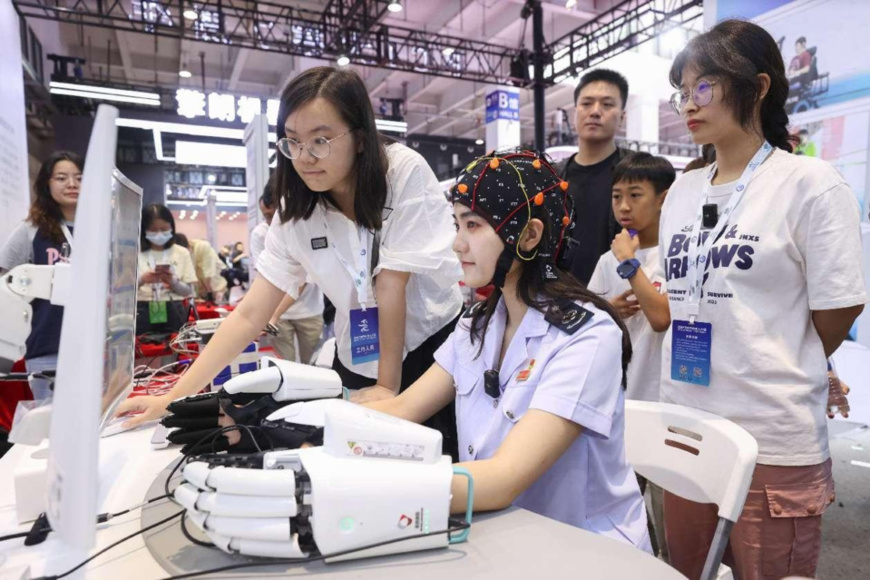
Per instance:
(628,268)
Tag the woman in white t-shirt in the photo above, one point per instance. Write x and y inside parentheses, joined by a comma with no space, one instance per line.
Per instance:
(365,221)
(778,283)
(166,274)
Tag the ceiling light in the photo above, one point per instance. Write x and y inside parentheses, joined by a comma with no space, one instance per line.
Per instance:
(343,60)
(479,142)
(395,6)
(570,4)
(182,214)
(104,97)
(394,126)
(448,51)
(186,129)
(105,90)
(191,14)
(185,74)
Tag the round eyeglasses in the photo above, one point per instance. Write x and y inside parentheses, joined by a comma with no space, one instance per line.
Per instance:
(317,146)
(702,95)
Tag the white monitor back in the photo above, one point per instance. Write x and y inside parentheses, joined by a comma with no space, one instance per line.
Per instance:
(95,361)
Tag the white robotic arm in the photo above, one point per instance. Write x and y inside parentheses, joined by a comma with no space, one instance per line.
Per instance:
(377,479)
(18,287)
(287,381)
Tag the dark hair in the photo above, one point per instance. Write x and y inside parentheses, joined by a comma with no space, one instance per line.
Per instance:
(802,40)
(540,293)
(268,197)
(738,51)
(181,240)
(607,76)
(45,213)
(642,166)
(347,92)
(151,213)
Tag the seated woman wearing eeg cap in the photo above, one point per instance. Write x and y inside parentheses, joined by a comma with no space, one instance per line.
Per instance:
(537,371)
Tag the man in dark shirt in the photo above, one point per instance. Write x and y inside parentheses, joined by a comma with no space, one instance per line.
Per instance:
(600,100)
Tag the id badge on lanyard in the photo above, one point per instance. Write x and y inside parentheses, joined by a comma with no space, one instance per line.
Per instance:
(66,248)
(364,333)
(691,341)
(157,289)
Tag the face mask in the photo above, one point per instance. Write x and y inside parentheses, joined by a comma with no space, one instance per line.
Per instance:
(158,238)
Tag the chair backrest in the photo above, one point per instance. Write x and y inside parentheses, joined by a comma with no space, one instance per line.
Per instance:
(691,453)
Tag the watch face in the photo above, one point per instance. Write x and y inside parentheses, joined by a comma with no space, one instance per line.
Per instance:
(625,270)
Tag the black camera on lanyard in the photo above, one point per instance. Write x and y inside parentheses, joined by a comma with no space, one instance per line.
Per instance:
(491,384)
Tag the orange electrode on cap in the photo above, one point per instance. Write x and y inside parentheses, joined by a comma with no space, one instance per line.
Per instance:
(566,220)
(493,164)
(539,199)
(564,186)
(536,163)
(462,188)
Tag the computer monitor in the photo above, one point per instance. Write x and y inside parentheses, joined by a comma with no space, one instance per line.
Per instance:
(95,360)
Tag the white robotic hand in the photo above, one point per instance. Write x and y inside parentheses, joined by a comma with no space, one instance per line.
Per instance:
(248,399)
(376,479)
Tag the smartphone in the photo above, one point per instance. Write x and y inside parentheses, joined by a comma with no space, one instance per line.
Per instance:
(163,268)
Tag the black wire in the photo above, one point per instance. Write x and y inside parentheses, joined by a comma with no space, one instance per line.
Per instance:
(128,510)
(188,535)
(459,526)
(110,546)
(101,518)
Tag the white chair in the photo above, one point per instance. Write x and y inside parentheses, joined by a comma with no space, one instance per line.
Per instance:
(696,455)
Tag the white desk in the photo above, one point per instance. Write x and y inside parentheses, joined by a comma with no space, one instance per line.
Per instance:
(505,545)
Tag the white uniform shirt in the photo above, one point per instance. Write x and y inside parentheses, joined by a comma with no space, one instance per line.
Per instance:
(416,236)
(309,303)
(182,266)
(793,245)
(574,376)
(644,370)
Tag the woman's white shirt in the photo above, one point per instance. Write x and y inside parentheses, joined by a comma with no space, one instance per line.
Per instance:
(182,266)
(792,246)
(416,237)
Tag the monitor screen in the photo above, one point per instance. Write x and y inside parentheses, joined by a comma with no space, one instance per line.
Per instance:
(126,204)
(95,359)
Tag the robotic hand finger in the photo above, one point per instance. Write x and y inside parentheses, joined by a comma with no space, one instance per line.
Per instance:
(242,507)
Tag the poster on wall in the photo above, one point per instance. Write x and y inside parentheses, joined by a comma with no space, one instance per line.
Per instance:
(825,56)
(14,190)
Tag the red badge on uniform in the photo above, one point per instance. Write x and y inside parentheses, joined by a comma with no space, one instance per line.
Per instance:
(524,374)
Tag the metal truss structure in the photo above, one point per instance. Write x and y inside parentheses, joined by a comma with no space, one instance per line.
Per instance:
(621,28)
(351,28)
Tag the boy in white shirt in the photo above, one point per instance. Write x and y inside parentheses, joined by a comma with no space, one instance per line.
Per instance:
(631,277)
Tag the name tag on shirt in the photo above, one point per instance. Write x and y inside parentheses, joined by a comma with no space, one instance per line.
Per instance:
(364,337)
(690,352)
(319,243)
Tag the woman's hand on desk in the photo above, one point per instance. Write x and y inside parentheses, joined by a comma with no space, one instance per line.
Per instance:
(150,409)
(371,394)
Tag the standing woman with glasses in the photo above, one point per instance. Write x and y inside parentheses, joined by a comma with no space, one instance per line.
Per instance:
(762,255)
(45,238)
(367,222)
